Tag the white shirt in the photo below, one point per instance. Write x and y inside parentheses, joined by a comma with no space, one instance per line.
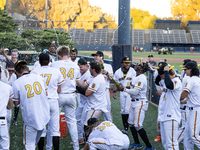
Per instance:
(37,64)
(109,69)
(97,100)
(107,133)
(192,86)
(3,61)
(182,75)
(140,83)
(29,89)
(85,77)
(52,77)
(6,92)
(70,72)
(169,105)
(75,61)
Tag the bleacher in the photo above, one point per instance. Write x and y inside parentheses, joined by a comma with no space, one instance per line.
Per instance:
(195,34)
(138,37)
(168,36)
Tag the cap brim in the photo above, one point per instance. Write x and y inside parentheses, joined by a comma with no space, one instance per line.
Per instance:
(95,54)
(183,68)
(181,65)
(171,67)
(126,61)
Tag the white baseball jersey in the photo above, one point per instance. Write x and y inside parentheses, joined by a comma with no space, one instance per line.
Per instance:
(192,86)
(75,61)
(182,75)
(140,82)
(29,89)
(52,77)
(37,64)
(70,72)
(6,92)
(85,77)
(109,132)
(169,105)
(3,61)
(109,69)
(97,99)
(6,79)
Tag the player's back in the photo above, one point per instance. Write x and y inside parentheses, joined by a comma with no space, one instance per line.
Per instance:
(70,72)
(29,89)
(52,77)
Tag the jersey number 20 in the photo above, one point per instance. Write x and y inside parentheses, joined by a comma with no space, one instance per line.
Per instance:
(30,93)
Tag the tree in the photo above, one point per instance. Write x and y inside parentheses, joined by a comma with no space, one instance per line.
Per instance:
(7,23)
(185,10)
(142,19)
(2,4)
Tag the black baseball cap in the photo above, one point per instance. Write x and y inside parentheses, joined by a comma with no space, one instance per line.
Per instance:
(190,65)
(185,61)
(150,55)
(160,64)
(161,68)
(82,61)
(74,50)
(20,62)
(44,57)
(98,53)
(92,121)
(125,59)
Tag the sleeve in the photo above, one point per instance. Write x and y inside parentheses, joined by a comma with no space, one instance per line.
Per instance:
(16,96)
(93,86)
(188,86)
(11,92)
(110,70)
(168,82)
(60,78)
(139,84)
(115,77)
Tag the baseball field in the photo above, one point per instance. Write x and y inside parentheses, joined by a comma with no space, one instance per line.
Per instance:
(150,121)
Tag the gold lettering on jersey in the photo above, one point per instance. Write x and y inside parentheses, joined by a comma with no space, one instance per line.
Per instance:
(128,83)
(71,73)
(164,98)
(36,90)
(48,78)
(105,78)
(186,84)
(175,82)
(62,70)
(93,85)
(139,83)
(105,124)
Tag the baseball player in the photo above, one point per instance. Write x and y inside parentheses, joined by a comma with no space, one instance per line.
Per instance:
(124,76)
(191,90)
(105,135)
(169,107)
(4,57)
(80,112)
(95,90)
(138,107)
(185,61)
(107,71)
(6,94)
(53,80)
(29,91)
(71,73)
(73,55)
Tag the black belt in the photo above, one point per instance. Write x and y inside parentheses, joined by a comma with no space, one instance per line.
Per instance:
(2,117)
(190,108)
(184,108)
(67,93)
(133,100)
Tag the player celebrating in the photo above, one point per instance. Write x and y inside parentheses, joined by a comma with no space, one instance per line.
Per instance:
(124,76)
(71,73)
(107,71)
(169,107)
(105,135)
(6,95)
(73,55)
(138,107)
(191,90)
(53,79)
(29,91)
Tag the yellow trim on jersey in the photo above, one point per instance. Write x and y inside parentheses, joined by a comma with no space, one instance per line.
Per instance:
(61,81)
(92,113)
(172,134)
(186,115)
(15,98)
(92,88)
(181,133)
(98,143)
(138,87)
(138,120)
(12,94)
(195,127)
(86,82)
(24,135)
(187,89)
(78,78)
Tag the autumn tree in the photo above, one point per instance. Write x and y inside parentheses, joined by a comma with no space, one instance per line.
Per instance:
(2,4)
(142,19)
(185,10)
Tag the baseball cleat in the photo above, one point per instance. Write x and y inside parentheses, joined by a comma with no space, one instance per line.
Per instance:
(158,138)
(14,123)
(152,148)
(81,142)
(125,132)
(135,146)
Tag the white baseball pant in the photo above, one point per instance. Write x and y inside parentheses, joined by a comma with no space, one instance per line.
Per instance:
(68,101)
(4,135)
(8,117)
(125,102)
(92,114)
(169,133)
(108,115)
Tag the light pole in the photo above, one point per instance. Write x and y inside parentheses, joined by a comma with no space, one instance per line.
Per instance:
(45,13)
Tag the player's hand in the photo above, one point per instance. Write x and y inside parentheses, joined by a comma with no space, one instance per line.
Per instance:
(103,71)
(115,96)
(166,68)
(159,93)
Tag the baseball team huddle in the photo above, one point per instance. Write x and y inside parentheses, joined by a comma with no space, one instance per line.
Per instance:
(52,87)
